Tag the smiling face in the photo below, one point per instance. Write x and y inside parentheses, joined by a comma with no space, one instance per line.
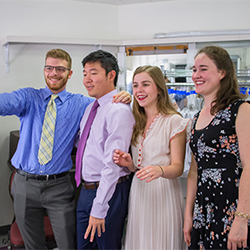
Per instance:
(55,81)
(145,91)
(96,81)
(206,76)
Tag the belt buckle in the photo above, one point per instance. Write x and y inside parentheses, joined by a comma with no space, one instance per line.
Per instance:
(47,177)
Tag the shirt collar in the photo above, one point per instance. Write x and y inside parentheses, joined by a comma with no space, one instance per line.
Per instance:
(106,98)
(61,95)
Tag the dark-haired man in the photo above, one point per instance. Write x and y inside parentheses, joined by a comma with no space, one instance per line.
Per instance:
(102,205)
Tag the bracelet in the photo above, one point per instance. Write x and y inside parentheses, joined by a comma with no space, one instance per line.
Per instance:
(161,170)
(241,215)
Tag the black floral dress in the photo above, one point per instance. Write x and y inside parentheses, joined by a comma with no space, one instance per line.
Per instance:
(216,151)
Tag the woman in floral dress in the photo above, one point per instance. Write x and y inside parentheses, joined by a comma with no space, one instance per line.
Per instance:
(156,203)
(218,189)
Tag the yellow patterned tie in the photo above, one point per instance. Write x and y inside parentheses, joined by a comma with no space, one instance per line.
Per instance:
(47,137)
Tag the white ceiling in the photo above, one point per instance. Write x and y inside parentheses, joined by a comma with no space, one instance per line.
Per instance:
(121,2)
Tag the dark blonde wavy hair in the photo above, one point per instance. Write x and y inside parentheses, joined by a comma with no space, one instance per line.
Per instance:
(59,54)
(229,89)
(164,104)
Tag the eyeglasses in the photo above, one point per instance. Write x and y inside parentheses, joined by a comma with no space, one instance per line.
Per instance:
(59,69)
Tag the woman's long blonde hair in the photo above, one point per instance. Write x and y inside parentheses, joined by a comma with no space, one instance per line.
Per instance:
(164,104)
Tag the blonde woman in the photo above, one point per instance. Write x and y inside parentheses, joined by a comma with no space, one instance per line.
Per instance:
(155,217)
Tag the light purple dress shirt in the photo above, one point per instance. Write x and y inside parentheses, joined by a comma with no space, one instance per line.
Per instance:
(111,129)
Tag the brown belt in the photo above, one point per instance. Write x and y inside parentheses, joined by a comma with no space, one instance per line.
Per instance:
(95,185)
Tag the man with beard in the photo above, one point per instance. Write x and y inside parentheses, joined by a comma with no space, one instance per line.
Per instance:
(50,119)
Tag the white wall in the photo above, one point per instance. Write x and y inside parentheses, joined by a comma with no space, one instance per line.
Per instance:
(142,21)
(91,21)
(58,19)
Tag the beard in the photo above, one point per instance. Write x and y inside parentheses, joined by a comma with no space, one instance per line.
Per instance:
(59,86)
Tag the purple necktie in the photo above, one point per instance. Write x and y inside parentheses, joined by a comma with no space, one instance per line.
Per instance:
(82,142)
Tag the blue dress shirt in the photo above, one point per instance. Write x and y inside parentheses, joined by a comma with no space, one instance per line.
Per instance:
(30,105)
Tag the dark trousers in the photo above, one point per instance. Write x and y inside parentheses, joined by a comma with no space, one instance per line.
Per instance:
(114,221)
(32,198)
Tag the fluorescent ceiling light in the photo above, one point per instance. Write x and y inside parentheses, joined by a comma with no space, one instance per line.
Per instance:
(201,33)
